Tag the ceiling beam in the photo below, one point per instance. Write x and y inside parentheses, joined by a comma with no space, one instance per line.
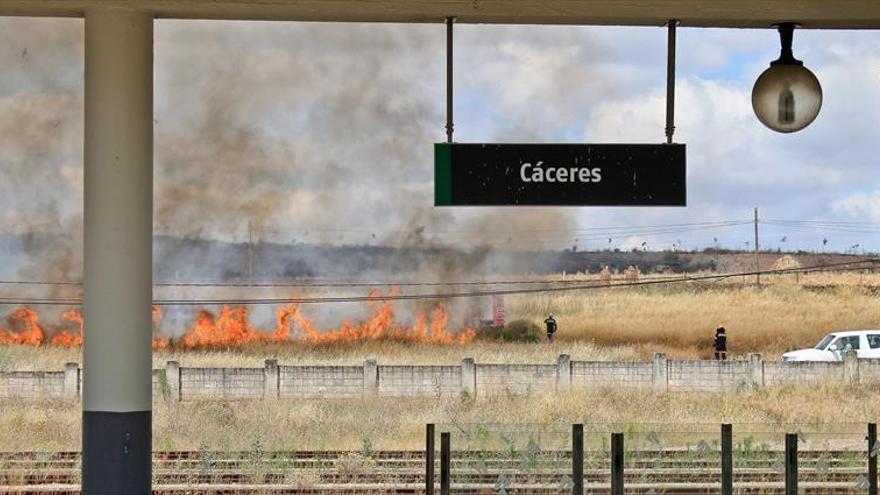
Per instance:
(812,14)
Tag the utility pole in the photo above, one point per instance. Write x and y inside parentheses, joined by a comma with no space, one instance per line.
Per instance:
(757,261)
(250,252)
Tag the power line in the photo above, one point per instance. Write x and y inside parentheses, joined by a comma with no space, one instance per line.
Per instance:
(826,222)
(309,285)
(826,227)
(842,266)
(511,231)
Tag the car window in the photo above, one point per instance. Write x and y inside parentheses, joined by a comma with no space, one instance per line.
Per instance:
(851,342)
(874,341)
(824,342)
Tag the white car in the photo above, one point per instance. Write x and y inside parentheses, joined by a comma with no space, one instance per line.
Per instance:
(866,343)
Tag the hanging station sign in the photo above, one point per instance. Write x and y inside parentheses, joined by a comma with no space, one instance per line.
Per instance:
(559,174)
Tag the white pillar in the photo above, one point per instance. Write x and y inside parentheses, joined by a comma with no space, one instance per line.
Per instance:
(172,377)
(469,377)
(563,373)
(71,380)
(118,219)
(371,377)
(270,379)
(660,372)
(756,370)
(850,367)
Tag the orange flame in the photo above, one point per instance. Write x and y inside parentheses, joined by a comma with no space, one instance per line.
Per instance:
(65,338)
(158,342)
(24,328)
(231,327)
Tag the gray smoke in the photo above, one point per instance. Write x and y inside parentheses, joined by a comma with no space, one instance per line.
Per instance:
(290,133)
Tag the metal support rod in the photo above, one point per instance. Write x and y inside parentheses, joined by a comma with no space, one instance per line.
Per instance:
(449,125)
(872,458)
(429,459)
(791,464)
(670,80)
(617,464)
(577,459)
(726,459)
(445,454)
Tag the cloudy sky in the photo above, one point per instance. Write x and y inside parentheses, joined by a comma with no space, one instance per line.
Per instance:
(324,132)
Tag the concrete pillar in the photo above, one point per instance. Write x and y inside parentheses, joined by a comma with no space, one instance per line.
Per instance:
(756,370)
(71,380)
(371,377)
(660,372)
(271,379)
(118,234)
(850,367)
(172,377)
(469,377)
(563,373)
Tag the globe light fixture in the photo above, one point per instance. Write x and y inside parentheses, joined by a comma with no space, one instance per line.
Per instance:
(787,96)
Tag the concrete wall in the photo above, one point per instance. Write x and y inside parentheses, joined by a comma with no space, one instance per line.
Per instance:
(785,373)
(597,374)
(480,380)
(507,379)
(228,383)
(432,381)
(342,382)
(708,376)
(31,384)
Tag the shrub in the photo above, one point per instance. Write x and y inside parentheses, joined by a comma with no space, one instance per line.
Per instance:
(515,331)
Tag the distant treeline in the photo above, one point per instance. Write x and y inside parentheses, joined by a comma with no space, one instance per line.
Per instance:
(197,259)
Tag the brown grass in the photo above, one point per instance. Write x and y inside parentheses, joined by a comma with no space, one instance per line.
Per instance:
(399,423)
(680,320)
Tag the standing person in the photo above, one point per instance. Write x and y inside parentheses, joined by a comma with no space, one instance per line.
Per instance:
(551,327)
(720,344)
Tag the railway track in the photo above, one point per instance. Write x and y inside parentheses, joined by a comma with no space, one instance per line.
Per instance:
(472,472)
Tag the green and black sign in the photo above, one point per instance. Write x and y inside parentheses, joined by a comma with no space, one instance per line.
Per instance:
(559,175)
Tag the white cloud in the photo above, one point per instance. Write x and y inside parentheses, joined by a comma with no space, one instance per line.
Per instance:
(859,205)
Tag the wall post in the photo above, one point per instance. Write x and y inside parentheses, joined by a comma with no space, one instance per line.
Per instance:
(577,459)
(726,459)
(872,458)
(617,464)
(791,464)
(445,463)
(172,376)
(850,367)
(469,377)
(756,370)
(429,459)
(271,386)
(563,373)
(371,377)
(71,380)
(660,372)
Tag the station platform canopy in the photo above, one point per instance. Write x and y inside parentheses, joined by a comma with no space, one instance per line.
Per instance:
(811,14)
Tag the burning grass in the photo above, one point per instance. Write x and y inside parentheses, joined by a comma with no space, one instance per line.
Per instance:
(612,324)
(231,327)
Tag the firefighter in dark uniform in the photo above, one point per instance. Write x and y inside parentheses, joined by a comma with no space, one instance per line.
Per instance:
(551,327)
(720,344)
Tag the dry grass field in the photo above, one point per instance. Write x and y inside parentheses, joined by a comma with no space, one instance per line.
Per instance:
(399,423)
(680,320)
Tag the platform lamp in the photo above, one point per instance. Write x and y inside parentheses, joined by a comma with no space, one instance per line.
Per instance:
(787,96)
